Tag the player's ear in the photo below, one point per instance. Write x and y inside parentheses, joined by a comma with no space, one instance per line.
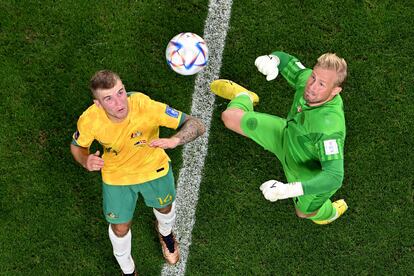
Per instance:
(98,104)
(336,90)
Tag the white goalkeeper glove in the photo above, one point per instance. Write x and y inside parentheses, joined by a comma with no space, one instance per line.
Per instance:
(267,65)
(274,190)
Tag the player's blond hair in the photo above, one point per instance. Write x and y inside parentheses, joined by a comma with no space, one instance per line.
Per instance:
(104,79)
(332,62)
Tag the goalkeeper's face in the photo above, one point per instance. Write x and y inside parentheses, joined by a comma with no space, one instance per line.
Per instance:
(114,101)
(321,86)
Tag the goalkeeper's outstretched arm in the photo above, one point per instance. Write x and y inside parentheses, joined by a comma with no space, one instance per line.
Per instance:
(289,66)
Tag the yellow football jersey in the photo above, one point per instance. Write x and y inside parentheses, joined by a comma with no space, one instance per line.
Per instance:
(128,158)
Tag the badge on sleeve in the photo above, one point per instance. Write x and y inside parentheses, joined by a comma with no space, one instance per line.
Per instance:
(331,147)
(171,112)
(76,135)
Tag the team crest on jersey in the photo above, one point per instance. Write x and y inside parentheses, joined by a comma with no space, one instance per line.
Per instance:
(299,108)
(171,112)
(136,134)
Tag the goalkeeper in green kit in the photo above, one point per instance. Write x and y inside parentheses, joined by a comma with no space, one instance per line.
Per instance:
(309,143)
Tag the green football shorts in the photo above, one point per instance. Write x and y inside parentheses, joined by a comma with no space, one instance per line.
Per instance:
(267,131)
(119,202)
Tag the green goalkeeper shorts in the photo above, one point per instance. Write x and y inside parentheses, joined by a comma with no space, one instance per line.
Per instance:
(266,130)
(119,202)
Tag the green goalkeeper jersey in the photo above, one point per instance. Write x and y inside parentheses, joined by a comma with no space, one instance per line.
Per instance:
(314,136)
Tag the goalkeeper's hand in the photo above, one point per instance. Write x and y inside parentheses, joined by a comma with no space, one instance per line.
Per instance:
(267,65)
(274,190)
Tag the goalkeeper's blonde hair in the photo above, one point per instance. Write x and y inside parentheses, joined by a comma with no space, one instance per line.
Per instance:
(332,62)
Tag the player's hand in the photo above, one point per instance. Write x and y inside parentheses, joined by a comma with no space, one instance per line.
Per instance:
(274,190)
(267,65)
(94,162)
(165,143)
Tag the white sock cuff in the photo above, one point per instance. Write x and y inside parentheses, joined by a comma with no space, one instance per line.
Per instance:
(165,221)
(171,213)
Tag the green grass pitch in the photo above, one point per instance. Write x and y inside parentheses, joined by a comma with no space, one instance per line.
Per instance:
(50,208)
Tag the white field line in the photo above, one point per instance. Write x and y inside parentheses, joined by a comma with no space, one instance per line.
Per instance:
(194,153)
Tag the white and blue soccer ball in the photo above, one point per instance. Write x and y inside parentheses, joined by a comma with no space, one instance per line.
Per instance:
(187,53)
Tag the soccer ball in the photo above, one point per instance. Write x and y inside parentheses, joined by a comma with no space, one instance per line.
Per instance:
(187,53)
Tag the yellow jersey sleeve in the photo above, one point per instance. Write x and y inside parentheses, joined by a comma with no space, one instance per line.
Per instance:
(162,114)
(84,136)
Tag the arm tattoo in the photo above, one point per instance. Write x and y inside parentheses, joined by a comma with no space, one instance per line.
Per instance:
(191,129)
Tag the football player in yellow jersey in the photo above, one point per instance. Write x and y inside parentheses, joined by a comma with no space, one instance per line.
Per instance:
(133,161)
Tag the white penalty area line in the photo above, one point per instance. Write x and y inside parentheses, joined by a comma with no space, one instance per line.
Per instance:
(194,153)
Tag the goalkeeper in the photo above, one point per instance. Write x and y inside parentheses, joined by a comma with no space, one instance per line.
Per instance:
(309,142)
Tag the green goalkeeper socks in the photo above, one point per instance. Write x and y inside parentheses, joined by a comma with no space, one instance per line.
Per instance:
(326,212)
(242,102)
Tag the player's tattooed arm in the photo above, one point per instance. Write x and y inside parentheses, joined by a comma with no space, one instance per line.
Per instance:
(191,129)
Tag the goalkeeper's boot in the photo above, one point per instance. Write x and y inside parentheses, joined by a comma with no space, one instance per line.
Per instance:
(229,90)
(340,207)
(170,248)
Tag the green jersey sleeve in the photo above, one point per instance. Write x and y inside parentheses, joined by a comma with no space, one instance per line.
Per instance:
(290,67)
(331,149)
(329,179)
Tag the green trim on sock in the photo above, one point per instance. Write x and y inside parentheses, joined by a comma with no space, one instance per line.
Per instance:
(326,212)
(242,102)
